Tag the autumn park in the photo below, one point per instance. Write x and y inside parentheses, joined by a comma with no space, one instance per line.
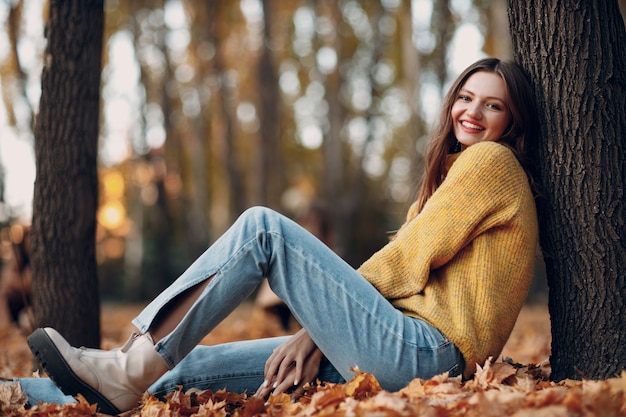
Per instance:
(136,134)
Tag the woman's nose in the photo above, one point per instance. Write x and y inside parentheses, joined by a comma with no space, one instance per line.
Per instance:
(474,110)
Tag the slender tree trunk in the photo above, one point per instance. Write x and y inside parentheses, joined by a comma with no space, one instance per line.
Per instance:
(333,151)
(411,67)
(65,283)
(443,28)
(158,274)
(198,143)
(497,37)
(574,54)
(234,177)
(269,182)
(14,26)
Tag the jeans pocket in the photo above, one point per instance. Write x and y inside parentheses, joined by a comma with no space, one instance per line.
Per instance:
(449,354)
(455,370)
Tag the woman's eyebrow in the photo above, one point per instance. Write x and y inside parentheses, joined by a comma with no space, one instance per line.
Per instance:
(465,90)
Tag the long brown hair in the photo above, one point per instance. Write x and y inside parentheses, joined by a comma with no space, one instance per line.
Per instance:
(518,136)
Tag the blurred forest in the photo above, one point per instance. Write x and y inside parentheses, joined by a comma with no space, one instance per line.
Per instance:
(209,107)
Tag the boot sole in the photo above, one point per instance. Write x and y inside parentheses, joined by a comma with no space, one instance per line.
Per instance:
(62,375)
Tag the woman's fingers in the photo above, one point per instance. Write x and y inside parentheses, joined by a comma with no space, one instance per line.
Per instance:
(290,362)
(289,365)
(310,370)
(264,390)
(293,381)
(285,385)
(276,370)
(294,351)
(272,363)
(298,392)
(274,387)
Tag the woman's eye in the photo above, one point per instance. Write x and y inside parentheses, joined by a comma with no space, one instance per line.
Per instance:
(494,106)
(464,98)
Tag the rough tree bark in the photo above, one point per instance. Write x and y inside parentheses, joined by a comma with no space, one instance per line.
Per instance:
(65,282)
(574,54)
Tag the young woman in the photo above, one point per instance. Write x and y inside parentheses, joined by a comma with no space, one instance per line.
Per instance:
(442,296)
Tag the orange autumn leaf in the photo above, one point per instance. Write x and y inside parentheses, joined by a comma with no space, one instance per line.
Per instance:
(12,399)
(81,408)
(618,384)
(388,403)
(363,385)
(252,407)
(332,395)
(211,409)
(491,375)
(281,398)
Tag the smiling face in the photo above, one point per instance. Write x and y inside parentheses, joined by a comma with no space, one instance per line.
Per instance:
(480,112)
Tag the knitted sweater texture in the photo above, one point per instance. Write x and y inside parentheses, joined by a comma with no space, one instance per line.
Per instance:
(465,262)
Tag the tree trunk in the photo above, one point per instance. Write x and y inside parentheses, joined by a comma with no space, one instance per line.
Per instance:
(269,182)
(218,31)
(334,173)
(443,28)
(574,55)
(411,66)
(65,282)
(497,37)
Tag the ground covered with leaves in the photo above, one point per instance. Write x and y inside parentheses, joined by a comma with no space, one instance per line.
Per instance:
(515,384)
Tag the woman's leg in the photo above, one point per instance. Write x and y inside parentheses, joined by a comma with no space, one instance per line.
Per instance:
(173,313)
(39,390)
(346,316)
(235,367)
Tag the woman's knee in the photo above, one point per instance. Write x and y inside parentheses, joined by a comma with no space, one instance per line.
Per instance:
(260,217)
(258,212)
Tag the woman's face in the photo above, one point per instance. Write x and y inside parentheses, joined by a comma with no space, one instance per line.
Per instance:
(480,112)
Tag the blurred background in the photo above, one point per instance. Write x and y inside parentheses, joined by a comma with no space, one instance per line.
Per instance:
(318,109)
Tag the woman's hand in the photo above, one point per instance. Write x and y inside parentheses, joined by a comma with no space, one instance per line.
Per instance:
(292,364)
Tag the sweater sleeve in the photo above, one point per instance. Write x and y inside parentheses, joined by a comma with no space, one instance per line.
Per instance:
(480,192)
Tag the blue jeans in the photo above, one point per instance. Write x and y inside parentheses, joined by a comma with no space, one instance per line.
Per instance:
(347,318)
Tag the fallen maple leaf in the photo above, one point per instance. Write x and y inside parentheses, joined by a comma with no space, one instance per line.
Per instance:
(618,384)
(332,395)
(491,375)
(12,399)
(363,385)
(392,405)
(605,400)
(414,389)
(212,409)
(155,408)
(80,408)
(252,407)
(549,411)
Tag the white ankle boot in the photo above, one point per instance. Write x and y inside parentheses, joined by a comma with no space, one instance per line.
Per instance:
(114,379)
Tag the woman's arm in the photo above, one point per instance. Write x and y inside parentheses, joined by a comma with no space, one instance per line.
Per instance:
(481,191)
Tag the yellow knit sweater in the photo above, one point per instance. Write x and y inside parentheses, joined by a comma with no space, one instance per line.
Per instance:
(464,264)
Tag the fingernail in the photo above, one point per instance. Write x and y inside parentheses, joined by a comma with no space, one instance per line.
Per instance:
(275,384)
(295,382)
(266,403)
(265,383)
